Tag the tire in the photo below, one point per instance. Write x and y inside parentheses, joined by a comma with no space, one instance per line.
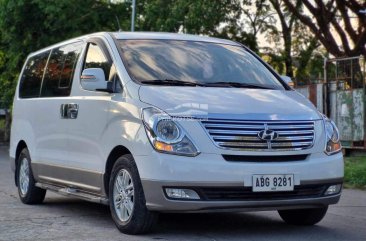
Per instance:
(27,190)
(135,219)
(303,216)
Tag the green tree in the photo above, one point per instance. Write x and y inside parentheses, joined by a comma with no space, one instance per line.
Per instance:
(29,25)
(257,15)
(287,23)
(219,18)
(190,16)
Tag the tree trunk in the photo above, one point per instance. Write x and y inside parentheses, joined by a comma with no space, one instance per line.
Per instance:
(7,125)
(288,47)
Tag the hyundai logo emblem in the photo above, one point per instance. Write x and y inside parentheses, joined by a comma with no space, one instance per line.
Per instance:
(268,135)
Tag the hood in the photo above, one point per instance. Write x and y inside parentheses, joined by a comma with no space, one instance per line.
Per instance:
(229,103)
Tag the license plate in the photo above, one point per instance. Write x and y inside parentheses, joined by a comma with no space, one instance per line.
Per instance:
(273,183)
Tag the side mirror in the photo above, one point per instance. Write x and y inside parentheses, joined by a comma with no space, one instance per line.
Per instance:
(288,80)
(93,79)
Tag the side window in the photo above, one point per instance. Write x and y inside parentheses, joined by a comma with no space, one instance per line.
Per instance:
(60,70)
(96,58)
(31,81)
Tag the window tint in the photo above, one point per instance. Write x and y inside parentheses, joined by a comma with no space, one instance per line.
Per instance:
(31,80)
(95,58)
(60,70)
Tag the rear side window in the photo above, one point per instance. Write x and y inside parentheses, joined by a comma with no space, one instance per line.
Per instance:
(60,70)
(31,81)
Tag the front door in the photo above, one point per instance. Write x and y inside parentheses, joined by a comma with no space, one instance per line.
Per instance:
(87,124)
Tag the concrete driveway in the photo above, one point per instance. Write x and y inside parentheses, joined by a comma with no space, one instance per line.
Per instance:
(61,218)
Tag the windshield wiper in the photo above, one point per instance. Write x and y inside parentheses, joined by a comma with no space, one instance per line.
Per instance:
(237,85)
(174,82)
(170,82)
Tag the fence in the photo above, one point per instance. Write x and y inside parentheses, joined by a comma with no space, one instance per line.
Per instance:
(342,97)
(346,99)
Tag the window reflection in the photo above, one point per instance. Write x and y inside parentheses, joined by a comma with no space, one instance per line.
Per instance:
(60,70)
(31,80)
(95,58)
(199,62)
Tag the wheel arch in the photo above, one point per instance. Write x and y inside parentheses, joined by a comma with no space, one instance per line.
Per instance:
(21,145)
(117,152)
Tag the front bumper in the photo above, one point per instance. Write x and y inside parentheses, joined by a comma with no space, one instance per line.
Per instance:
(156,200)
(211,170)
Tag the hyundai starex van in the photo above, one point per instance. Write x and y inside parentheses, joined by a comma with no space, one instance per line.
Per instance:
(156,122)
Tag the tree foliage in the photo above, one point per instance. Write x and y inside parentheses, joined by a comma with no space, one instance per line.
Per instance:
(195,17)
(29,25)
(258,16)
(325,18)
(219,18)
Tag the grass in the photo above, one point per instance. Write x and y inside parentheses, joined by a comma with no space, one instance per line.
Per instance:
(355,172)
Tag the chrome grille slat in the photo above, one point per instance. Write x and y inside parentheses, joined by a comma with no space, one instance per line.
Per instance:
(235,138)
(243,134)
(233,132)
(293,144)
(242,144)
(255,138)
(254,133)
(259,127)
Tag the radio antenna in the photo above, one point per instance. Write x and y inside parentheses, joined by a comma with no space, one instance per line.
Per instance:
(119,26)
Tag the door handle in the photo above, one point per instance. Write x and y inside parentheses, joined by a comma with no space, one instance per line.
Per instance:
(69,111)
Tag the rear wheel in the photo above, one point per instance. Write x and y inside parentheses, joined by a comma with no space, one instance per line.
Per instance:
(303,216)
(27,190)
(127,199)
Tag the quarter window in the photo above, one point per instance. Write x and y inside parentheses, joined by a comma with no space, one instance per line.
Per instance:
(31,80)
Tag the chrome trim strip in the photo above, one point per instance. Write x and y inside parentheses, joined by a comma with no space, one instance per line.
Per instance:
(68,183)
(66,191)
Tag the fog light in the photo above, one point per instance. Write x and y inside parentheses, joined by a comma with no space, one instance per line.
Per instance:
(178,193)
(334,189)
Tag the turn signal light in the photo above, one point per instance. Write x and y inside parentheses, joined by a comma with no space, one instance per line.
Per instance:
(163,146)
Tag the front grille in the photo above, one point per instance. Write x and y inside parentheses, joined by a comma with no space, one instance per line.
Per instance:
(244,135)
(246,193)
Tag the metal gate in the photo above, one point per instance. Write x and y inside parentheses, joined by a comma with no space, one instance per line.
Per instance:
(345,98)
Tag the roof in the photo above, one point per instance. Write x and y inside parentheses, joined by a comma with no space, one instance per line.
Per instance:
(170,36)
(142,35)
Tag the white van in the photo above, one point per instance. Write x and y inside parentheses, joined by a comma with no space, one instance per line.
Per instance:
(158,122)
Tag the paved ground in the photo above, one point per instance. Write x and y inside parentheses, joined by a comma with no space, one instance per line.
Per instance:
(61,218)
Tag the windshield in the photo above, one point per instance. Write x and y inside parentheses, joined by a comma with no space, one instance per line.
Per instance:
(206,64)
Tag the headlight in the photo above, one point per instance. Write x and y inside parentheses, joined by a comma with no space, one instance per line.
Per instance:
(167,130)
(333,144)
(165,134)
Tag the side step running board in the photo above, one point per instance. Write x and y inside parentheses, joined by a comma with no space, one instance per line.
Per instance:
(73,192)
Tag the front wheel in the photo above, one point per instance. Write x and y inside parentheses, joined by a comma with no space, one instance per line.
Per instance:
(127,199)
(303,216)
(28,192)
